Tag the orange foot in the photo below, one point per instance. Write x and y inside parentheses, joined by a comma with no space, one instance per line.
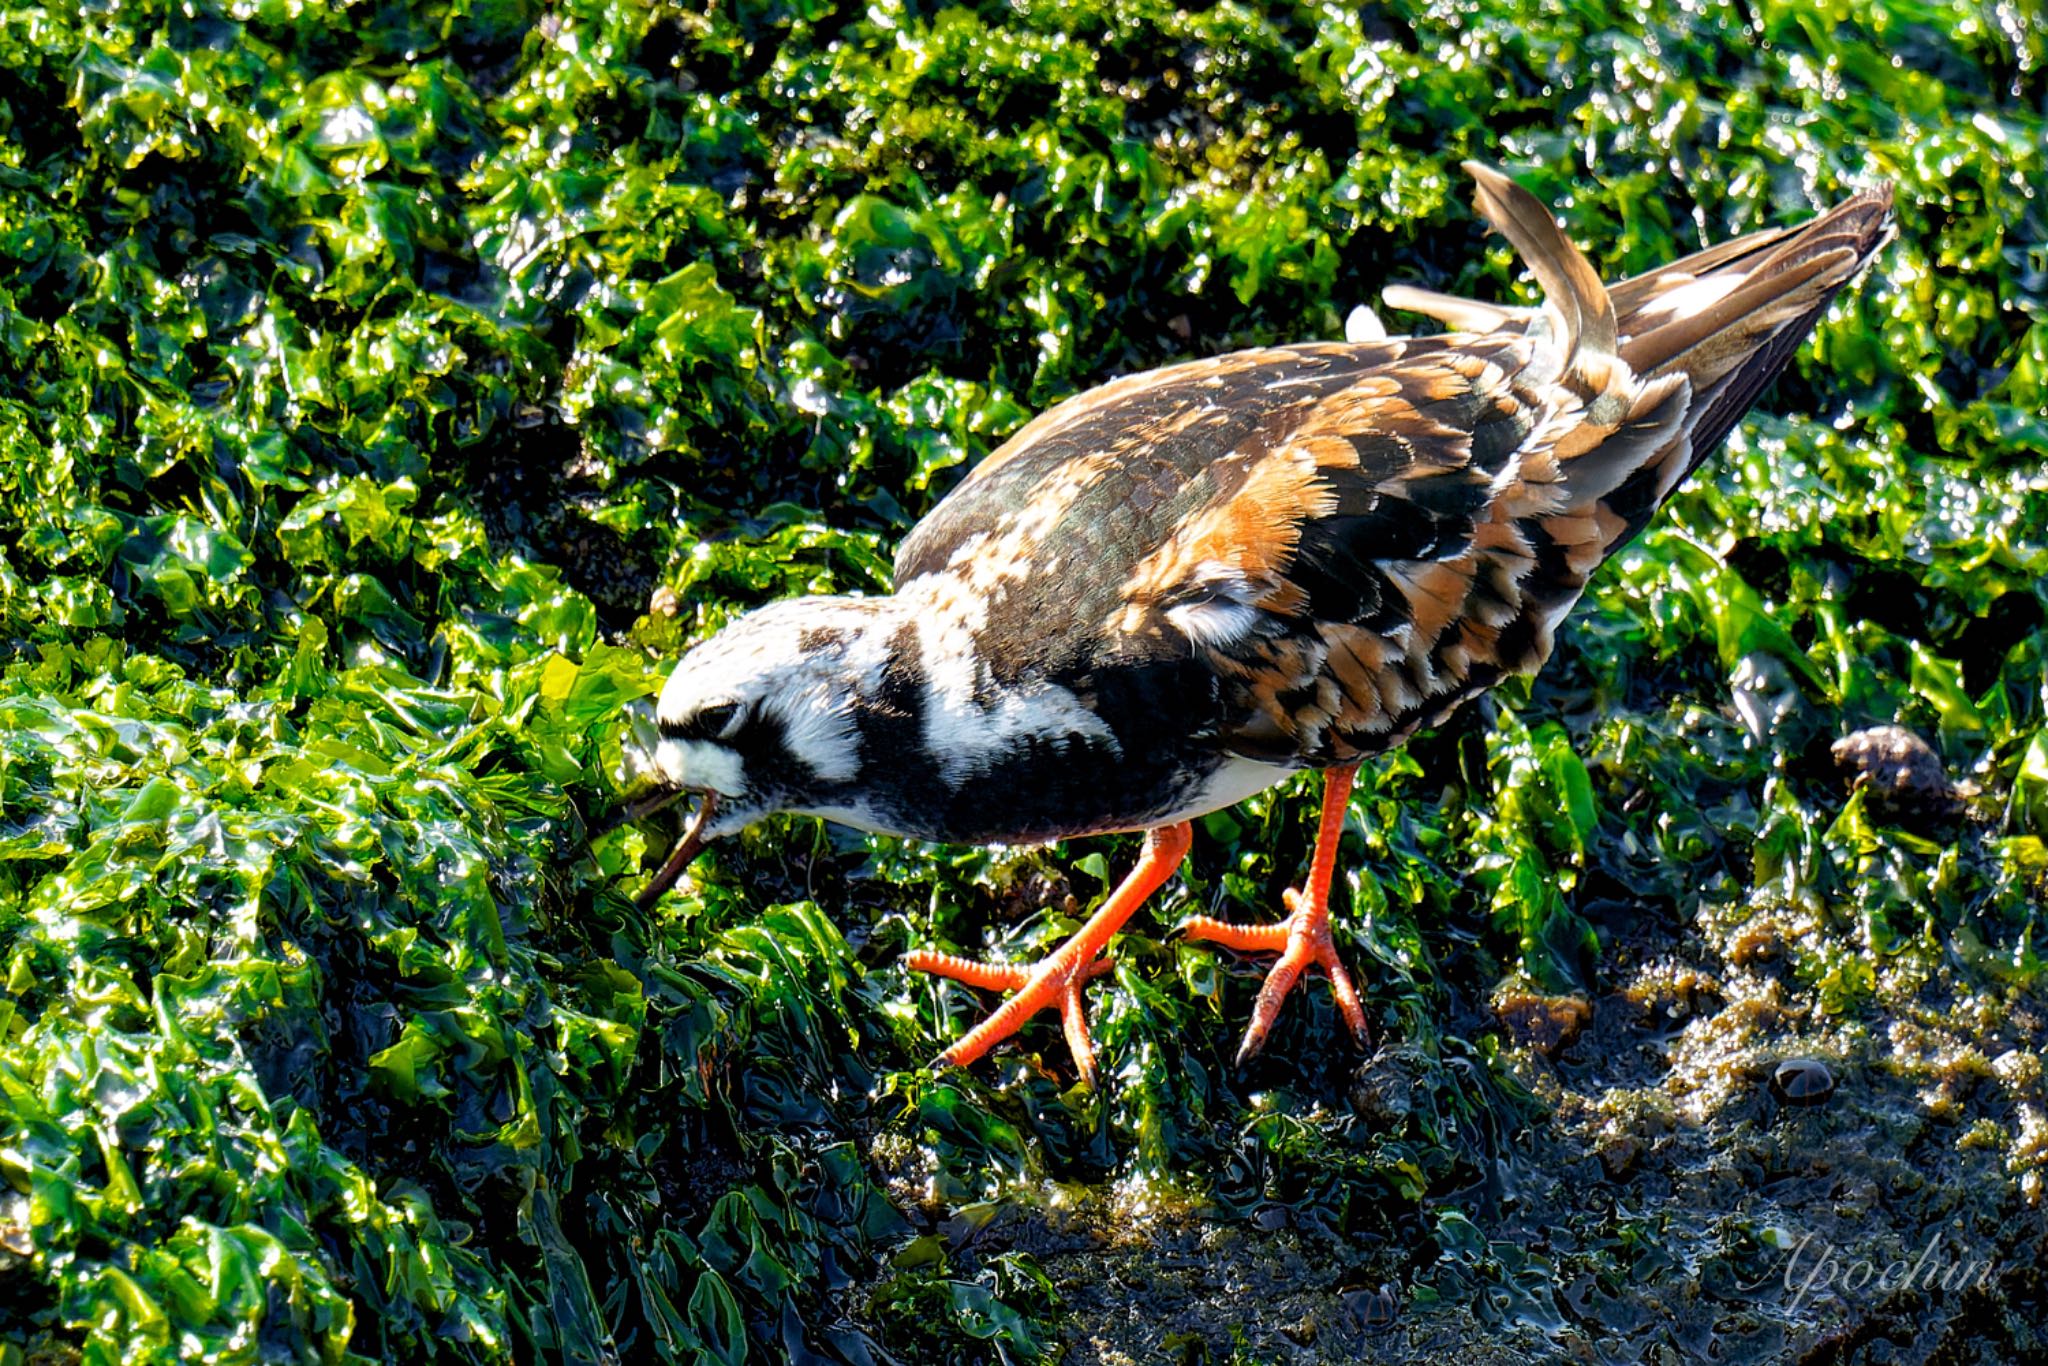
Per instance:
(1301,939)
(1058,977)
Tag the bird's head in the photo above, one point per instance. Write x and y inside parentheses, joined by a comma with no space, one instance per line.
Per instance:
(762,717)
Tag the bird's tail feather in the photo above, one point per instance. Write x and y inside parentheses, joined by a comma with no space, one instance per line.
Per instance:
(1460,315)
(1729,317)
(1571,287)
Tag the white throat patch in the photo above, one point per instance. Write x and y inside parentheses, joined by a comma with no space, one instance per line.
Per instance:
(699,763)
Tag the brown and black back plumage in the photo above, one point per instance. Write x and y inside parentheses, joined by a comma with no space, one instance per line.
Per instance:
(1354,538)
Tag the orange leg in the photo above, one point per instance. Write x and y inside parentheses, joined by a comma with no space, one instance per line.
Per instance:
(1304,937)
(1058,977)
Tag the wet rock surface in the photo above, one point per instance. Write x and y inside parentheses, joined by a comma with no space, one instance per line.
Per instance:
(1725,1171)
(1899,773)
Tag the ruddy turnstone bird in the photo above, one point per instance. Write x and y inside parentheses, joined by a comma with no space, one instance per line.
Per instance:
(1173,591)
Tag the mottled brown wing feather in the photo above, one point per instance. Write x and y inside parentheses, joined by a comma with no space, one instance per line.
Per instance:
(1414,536)
(1112,470)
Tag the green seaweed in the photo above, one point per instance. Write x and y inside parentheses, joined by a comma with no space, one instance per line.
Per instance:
(388,392)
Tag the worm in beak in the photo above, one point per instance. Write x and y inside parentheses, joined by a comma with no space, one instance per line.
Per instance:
(687,849)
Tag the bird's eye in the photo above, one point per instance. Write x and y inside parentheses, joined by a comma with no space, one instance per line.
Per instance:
(717,721)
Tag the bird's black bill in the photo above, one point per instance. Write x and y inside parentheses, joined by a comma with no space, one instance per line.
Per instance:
(639,811)
(686,850)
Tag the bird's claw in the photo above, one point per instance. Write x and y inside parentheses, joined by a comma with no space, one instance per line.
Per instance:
(1061,975)
(1301,940)
(1048,982)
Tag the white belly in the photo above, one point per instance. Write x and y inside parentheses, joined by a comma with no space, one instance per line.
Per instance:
(1230,784)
